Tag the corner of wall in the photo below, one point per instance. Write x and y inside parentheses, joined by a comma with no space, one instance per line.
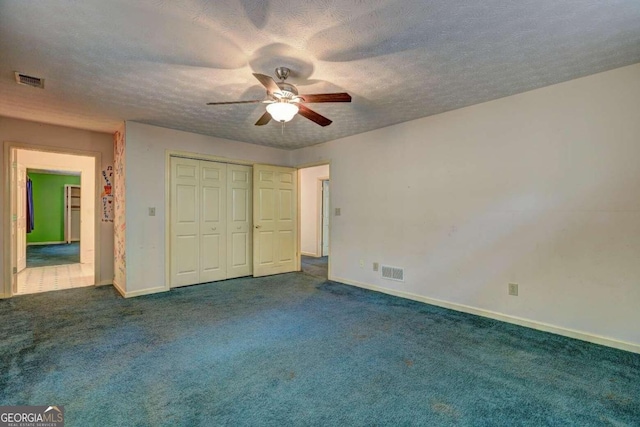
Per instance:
(119,218)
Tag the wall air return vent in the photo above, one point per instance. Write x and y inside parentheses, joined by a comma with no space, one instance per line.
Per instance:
(23,79)
(393,273)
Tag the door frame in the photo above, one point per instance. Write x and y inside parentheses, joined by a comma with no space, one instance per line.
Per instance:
(305,166)
(319,220)
(9,243)
(321,215)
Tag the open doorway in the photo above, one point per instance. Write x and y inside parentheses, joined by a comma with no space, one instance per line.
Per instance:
(54,232)
(314,220)
(53,203)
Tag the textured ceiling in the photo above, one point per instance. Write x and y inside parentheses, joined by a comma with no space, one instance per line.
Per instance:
(159,62)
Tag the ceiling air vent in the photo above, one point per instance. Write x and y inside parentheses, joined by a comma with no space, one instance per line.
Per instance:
(393,273)
(23,79)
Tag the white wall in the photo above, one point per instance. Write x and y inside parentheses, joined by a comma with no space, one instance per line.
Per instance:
(145,187)
(540,189)
(310,206)
(59,137)
(70,163)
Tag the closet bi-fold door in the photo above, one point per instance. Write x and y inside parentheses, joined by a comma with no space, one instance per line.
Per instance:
(213,221)
(275,220)
(185,221)
(239,221)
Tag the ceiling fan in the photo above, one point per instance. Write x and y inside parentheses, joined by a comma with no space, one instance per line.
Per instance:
(284,102)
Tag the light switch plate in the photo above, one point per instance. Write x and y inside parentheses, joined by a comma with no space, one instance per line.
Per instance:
(152,211)
(337,211)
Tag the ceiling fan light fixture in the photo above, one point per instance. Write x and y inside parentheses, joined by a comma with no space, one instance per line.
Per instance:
(282,111)
(283,101)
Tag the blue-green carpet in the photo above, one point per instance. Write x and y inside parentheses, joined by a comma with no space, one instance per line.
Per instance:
(316,266)
(296,350)
(58,254)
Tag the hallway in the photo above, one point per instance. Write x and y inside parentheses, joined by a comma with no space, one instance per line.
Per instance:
(54,278)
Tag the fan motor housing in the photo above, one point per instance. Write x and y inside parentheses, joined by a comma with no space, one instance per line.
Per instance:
(286,87)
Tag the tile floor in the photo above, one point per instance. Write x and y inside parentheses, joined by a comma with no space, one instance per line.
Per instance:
(55,277)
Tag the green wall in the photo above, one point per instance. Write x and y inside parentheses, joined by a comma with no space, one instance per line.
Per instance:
(48,202)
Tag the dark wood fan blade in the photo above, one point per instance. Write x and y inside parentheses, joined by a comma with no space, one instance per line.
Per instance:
(327,97)
(264,119)
(267,82)
(254,101)
(313,116)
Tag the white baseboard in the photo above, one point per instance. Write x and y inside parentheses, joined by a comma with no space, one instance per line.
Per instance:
(540,326)
(309,254)
(119,288)
(139,293)
(148,291)
(104,283)
(45,243)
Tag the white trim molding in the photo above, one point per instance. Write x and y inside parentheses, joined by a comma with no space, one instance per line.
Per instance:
(309,254)
(46,243)
(540,326)
(119,288)
(139,293)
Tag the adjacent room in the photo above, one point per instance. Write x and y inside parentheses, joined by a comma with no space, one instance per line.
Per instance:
(334,213)
(47,202)
(55,204)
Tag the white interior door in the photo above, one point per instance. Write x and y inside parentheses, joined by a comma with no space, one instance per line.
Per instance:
(21,224)
(185,222)
(213,221)
(275,220)
(239,221)
(325,217)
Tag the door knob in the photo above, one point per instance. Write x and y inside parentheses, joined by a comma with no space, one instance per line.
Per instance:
(213,228)
(258,226)
(238,227)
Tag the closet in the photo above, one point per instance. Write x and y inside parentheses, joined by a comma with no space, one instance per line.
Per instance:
(211,221)
(72,201)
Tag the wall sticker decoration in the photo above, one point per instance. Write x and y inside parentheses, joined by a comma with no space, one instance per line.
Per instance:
(107,195)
